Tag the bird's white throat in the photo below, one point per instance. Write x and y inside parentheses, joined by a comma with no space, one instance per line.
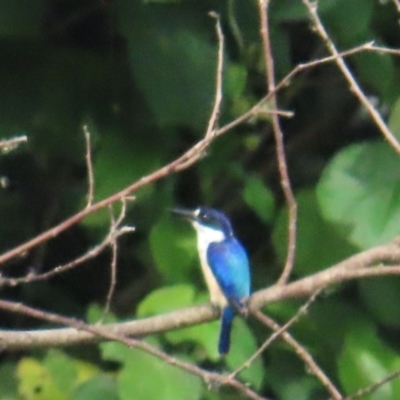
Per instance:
(205,236)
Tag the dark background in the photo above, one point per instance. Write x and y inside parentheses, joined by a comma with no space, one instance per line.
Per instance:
(141,76)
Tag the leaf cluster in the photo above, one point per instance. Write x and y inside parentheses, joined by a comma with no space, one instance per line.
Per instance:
(141,76)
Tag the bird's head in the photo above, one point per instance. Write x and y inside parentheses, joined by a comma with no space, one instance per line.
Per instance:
(207,221)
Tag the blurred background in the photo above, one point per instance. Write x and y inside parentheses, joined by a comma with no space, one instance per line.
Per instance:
(141,76)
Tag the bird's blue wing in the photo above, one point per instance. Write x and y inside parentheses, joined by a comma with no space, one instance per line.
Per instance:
(230,266)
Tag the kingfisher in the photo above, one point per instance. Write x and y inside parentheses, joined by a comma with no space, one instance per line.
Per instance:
(224,264)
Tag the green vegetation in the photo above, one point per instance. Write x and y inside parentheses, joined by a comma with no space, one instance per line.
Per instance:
(141,76)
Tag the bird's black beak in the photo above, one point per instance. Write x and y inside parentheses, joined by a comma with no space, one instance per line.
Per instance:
(185,213)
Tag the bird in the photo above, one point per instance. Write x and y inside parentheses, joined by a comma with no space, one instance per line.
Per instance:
(224,263)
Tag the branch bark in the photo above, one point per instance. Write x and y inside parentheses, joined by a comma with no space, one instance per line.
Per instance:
(355,267)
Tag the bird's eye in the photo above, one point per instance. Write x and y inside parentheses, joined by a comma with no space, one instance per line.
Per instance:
(205,217)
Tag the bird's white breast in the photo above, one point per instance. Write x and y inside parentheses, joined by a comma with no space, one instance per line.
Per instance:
(205,236)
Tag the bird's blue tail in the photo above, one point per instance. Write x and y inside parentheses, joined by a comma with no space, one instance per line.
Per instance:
(225,334)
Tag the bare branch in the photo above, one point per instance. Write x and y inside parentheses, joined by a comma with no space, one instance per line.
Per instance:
(302,353)
(212,122)
(237,34)
(286,80)
(111,237)
(345,270)
(114,251)
(184,161)
(372,388)
(280,149)
(354,267)
(89,166)
(301,311)
(397,5)
(354,86)
(99,331)
(8,145)
(218,83)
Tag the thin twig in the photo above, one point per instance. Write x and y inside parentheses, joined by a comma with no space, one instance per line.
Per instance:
(237,34)
(380,270)
(208,377)
(299,68)
(385,50)
(280,148)
(354,86)
(315,63)
(90,254)
(89,167)
(397,5)
(339,273)
(182,162)
(300,312)
(355,267)
(212,123)
(372,388)
(302,353)
(114,224)
(8,145)
(32,277)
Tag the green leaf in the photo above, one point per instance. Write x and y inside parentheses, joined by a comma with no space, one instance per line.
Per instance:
(243,346)
(348,21)
(20,18)
(173,248)
(370,68)
(36,382)
(114,351)
(119,163)
(67,75)
(8,380)
(95,313)
(381,297)
(173,298)
(292,10)
(180,92)
(359,192)
(179,296)
(289,10)
(147,377)
(299,388)
(235,80)
(166,299)
(364,360)
(285,375)
(318,245)
(62,368)
(394,119)
(100,387)
(120,352)
(205,335)
(281,43)
(259,198)
(331,319)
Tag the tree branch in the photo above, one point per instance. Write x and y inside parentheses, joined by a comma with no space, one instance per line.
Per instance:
(280,149)
(355,267)
(354,86)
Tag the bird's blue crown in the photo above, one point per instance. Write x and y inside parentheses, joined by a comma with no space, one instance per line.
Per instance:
(214,219)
